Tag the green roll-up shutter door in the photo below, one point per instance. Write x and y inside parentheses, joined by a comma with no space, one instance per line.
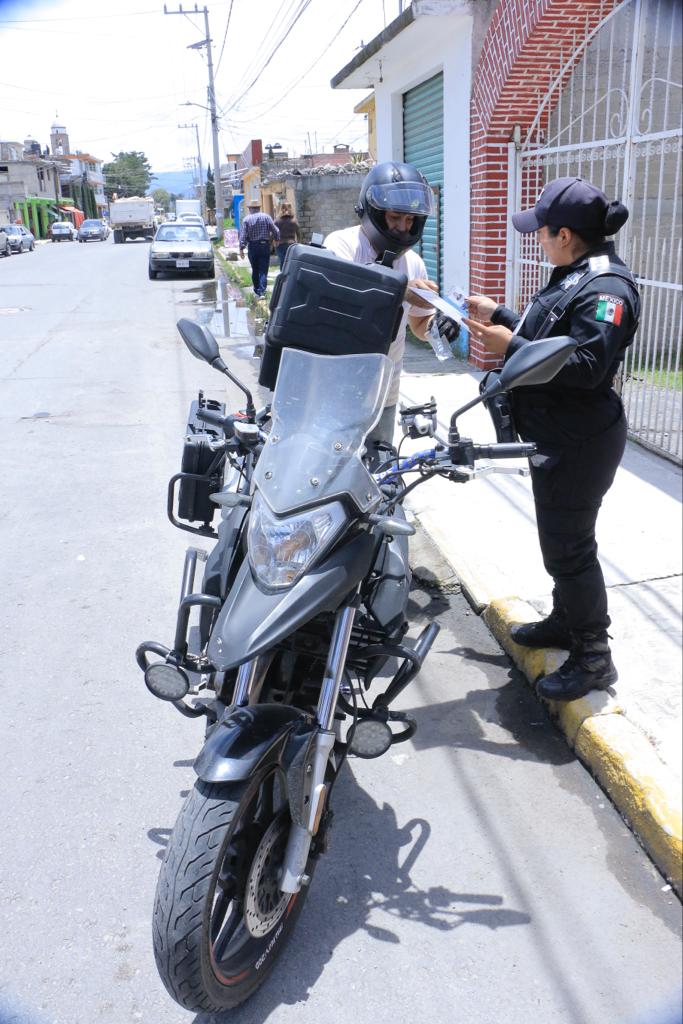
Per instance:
(423,146)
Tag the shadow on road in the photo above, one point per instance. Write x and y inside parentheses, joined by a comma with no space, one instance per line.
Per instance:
(365,876)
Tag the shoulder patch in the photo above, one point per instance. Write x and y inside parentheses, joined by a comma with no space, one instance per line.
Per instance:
(599,262)
(610,309)
(573,279)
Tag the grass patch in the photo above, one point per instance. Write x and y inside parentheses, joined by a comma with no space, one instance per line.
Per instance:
(670,379)
(241,276)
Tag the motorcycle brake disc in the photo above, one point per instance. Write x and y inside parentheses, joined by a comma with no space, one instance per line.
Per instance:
(264,903)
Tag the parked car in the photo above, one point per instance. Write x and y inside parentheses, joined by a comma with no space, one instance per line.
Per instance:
(20,239)
(5,247)
(92,231)
(62,231)
(181,248)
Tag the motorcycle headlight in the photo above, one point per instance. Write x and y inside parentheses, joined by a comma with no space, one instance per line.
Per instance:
(281,549)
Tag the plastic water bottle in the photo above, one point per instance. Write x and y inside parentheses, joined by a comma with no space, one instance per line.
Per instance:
(442,349)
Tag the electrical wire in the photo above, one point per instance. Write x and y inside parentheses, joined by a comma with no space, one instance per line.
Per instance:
(293,84)
(277,24)
(225,36)
(303,6)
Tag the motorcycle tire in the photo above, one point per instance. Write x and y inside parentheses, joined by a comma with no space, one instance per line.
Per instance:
(220,921)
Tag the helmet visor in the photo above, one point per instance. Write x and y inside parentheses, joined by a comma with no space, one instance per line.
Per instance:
(402,196)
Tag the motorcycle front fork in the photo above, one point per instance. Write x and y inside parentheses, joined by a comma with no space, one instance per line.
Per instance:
(302,831)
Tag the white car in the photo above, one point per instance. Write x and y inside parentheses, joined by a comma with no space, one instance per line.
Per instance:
(63,231)
(179,248)
(190,218)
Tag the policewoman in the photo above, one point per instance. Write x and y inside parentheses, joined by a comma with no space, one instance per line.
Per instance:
(576,420)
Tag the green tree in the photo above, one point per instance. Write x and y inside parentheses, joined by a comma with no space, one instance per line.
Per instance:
(210,191)
(128,174)
(161,198)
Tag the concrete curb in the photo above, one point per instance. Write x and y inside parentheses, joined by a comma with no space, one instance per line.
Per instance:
(619,755)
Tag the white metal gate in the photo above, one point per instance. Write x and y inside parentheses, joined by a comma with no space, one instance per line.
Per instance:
(613,116)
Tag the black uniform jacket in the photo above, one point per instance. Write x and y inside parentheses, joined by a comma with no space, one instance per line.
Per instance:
(579,402)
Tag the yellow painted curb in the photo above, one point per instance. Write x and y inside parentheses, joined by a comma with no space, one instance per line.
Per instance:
(619,755)
(631,773)
(504,613)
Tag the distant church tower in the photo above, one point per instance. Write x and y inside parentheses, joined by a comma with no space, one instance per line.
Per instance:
(59,140)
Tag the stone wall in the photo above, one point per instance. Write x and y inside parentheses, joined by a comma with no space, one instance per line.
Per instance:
(324,202)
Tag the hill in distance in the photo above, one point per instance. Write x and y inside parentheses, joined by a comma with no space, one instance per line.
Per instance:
(178,183)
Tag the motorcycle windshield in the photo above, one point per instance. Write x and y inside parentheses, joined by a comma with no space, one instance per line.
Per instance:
(323,409)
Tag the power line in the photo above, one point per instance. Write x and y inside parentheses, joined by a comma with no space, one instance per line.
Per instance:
(304,4)
(296,81)
(225,36)
(91,99)
(283,12)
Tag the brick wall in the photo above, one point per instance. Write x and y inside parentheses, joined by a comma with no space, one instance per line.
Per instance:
(522,55)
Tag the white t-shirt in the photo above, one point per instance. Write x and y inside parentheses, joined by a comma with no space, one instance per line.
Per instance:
(353,244)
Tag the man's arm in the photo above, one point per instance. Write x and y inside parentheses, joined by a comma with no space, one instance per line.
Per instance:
(421,314)
(419,325)
(243,235)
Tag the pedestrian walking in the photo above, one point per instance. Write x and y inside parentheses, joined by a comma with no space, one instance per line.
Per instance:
(394,203)
(576,420)
(289,230)
(256,233)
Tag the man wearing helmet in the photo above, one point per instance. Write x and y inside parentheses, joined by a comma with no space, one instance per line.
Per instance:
(394,203)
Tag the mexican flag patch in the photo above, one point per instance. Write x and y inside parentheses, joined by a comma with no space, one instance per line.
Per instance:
(610,309)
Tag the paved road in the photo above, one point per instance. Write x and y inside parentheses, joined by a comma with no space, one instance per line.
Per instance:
(476,875)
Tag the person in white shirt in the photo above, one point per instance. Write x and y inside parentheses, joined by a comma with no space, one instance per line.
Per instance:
(394,203)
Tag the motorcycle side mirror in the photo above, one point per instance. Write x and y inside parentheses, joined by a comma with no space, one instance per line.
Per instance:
(199,340)
(537,362)
(203,345)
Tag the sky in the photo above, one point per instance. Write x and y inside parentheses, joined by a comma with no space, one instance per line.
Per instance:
(117,80)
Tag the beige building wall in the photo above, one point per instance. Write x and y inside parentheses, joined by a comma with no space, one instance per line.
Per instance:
(367,107)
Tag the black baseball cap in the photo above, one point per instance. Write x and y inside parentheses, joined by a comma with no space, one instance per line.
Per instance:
(565,203)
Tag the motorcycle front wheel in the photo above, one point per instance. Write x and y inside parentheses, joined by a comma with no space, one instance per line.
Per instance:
(220,919)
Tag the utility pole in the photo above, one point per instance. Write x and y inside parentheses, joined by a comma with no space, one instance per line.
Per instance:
(212,110)
(202,187)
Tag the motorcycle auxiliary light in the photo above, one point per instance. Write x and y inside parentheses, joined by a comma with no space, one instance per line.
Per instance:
(371,738)
(167,682)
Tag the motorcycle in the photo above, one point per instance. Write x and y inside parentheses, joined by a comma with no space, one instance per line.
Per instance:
(302,617)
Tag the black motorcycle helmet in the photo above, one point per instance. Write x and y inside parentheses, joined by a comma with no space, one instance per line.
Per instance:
(393,186)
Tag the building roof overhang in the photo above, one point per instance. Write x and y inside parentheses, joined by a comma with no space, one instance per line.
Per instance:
(362,72)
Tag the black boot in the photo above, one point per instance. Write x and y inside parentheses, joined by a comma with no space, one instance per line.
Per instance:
(588,667)
(552,631)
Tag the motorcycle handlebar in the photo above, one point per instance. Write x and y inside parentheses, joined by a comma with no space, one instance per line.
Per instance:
(503,451)
(210,416)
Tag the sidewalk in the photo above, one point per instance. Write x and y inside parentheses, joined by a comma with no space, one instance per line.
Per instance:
(486,531)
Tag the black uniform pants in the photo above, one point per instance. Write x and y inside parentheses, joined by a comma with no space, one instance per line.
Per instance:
(569,483)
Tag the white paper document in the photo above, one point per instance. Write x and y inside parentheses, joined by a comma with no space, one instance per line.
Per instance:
(446,307)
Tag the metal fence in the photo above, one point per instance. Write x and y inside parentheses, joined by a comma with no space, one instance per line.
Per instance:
(613,116)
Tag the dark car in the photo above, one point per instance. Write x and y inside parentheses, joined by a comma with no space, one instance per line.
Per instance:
(20,239)
(181,248)
(5,247)
(92,231)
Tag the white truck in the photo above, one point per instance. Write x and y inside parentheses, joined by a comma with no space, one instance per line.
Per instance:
(132,218)
(183,206)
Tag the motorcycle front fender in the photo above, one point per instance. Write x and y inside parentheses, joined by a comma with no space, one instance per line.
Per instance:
(252,621)
(246,739)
